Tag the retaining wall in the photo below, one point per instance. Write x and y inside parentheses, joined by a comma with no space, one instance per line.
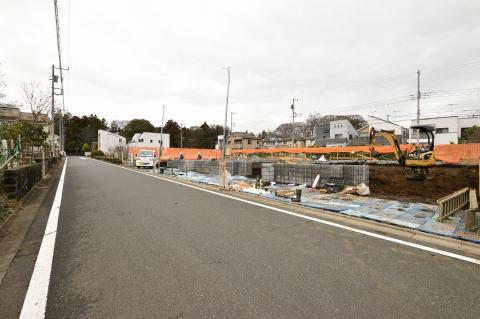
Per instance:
(19,181)
(243,168)
(305,173)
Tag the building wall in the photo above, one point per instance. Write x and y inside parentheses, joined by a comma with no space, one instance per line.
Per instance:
(380,124)
(148,139)
(446,130)
(342,129)
(109,142)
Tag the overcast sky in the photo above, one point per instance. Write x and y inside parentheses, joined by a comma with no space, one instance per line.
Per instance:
(128,58)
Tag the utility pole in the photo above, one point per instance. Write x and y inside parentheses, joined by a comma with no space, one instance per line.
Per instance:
(418,105)
(181,134)
(59,51)
(231,122)
(293,119)
(54,79)
(226,115)
(52,133)
(222,167)
(161,139)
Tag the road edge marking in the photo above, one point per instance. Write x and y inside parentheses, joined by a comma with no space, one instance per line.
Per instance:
(322,221)
(35,302)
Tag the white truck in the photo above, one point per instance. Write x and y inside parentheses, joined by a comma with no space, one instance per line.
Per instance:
(145,158)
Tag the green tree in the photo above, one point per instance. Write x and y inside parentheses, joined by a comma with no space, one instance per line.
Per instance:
(85,148)
(81,130)
(137,126)
(471,134)
(172,128)
(31,134)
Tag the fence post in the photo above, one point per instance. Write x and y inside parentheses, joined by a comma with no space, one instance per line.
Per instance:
(43,164)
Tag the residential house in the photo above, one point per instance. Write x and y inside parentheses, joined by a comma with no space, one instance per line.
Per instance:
(150,140)
(336,133)
(448,129)
(363,138)
(280,142)
(111,143)
(11,113)
(239,140)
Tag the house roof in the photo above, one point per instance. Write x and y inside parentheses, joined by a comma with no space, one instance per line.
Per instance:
(388,122)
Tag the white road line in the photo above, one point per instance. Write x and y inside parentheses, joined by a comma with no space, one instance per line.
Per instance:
(35,302)
(352,229)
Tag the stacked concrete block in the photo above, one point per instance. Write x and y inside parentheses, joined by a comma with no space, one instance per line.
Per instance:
(268,174)
(173,163)
(243,168)
(305,173)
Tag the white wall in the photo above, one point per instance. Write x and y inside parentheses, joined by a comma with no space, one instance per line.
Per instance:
(380,124)
(342,127)
(450,123)
(150,140)
(108,142)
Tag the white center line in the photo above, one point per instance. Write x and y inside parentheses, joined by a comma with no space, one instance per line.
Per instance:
(35,302)
(318,220)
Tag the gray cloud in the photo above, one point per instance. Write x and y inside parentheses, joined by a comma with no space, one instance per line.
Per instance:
(127,59)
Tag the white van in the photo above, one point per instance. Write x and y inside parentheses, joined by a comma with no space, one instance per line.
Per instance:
(145,158)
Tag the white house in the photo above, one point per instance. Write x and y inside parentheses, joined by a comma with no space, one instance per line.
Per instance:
(380,124)
(448,129)
(111,143)
(342,129)
(148,139)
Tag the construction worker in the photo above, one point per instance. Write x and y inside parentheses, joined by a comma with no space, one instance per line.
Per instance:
(423,148)
(199,156)
(181,157)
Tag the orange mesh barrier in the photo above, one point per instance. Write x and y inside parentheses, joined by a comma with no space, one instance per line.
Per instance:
(174,153)
(448,153)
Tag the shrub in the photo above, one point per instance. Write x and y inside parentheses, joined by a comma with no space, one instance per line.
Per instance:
(85,148)
(96,153)
(109,159)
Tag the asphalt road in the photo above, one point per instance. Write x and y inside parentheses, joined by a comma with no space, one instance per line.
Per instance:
(132,246)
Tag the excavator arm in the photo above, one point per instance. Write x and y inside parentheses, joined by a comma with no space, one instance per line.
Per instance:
(391,139)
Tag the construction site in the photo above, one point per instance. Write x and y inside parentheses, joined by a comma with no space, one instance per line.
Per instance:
(377,183)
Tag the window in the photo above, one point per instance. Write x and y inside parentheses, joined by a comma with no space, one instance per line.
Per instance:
(326,131)
(159,141)
(442,130)
(145,154)
(338,135)
(249,142)
(151,141)
(140,139)
(120,140)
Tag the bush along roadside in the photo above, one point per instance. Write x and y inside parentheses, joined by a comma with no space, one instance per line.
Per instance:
(109,159)
(97,153)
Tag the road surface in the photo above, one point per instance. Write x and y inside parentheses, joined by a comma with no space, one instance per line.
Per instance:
(133,246)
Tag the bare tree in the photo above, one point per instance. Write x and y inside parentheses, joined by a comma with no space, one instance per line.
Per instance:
(314,119)
(36,99)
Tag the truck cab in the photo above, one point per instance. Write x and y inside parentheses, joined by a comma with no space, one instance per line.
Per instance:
(145,158)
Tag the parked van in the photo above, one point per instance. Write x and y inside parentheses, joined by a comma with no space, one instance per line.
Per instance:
(145,158)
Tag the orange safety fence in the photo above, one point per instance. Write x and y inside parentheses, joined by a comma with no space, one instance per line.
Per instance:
(448,153)
(174,153)
(383,149)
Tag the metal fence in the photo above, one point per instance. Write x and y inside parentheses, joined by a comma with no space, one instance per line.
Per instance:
(454,202)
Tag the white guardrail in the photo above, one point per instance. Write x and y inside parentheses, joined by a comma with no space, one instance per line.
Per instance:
(454,202)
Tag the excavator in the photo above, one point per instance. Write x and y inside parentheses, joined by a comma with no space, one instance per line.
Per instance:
(416,161)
